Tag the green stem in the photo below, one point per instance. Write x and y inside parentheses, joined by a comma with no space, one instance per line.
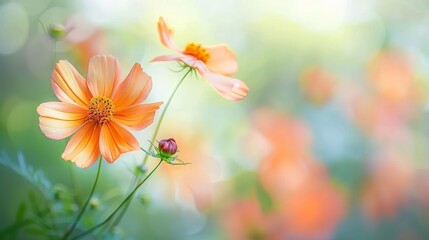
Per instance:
(86,203)
(54,52)
(73,183)
(128,198)
(163,113)
(121,214)
(118,219)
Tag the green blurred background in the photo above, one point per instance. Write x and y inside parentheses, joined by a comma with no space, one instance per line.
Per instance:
(331,142)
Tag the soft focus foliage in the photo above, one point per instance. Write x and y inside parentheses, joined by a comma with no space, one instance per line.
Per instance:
(330,143)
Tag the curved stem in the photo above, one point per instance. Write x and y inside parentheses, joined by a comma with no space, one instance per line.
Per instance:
(73,184)
(124,209)
(54,52)
(128,198)
(86,203)
(164,111)
(118,219)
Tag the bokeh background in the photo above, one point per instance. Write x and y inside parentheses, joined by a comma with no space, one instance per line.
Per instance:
(331,142)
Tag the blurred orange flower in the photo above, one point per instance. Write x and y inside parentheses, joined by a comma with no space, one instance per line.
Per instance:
(88,47)
(99,109)
(380,120)
(215,63)
(289,143)
(421,188)
(245,219)
(317,85)
(298,184)
(390,73)
(313,210)
(85,38)
(388,185)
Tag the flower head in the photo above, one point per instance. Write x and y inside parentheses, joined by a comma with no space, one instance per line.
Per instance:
(99,110)
(215,63)
(168,146)
(166,151)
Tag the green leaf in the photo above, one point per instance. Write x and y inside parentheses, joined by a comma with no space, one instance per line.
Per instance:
(34,202)
(35,177)
(21,212)
(14,228)
(264,198)
(37,231)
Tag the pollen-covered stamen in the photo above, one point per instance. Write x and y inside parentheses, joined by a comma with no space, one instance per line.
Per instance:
(100,109)
(198,51)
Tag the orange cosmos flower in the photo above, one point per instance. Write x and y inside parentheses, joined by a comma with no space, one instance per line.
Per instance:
(215,63)
(98,109)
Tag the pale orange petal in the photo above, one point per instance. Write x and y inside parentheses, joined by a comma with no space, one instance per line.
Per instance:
(187,59)
(115,140)
(134,89)
(165,35)
(83,146)
(167,58)
(222,60)
(68,85)
(59,120)
(104,75)
(230,88)
(137,117)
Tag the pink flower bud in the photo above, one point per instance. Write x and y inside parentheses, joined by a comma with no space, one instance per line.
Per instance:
(168,146)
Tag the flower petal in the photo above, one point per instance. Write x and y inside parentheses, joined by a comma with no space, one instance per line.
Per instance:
(59,120)
(230,88)
(115,140)
(137,117)
(134,89)
(222,60)
(188,60)
(83,147)
(165,34)
(68,85)
(104,75)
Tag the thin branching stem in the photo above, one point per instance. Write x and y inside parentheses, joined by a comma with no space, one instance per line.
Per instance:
(86,203)
(128,198)
(164,111)
(190,69)
(118,219)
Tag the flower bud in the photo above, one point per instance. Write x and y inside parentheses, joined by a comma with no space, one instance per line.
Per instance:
(56,31)
(168,146)
(140,169)
(94,203)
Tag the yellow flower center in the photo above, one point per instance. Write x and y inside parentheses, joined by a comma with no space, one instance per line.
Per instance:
(197,51)
(100,109)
